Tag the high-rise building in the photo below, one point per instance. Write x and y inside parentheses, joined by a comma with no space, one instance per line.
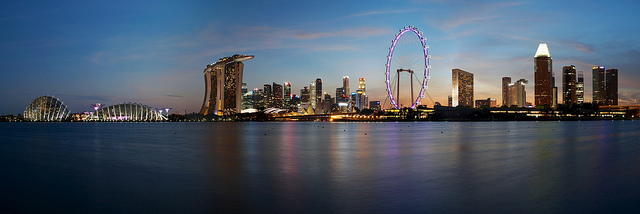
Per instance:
(611,87)
(359,99)
(305,95)
(462,93)
(362,86)
(569,85)
(319,91)
(268,96)
(449,101)
(543,85)
(258,98)
(223,86)
(312,95)
(277,95)
(287,95)
(580,88)
(345,84)
(517,93)
(598,84)
(505,90)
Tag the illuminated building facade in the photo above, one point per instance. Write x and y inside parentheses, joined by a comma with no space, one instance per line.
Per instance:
(345,84)
(223,86)
(462,90)
(489,102)
(268,95)
(543,85)
(517,93)
(598,84)
(375,105)
(611,87)
(580,88)
(277,95)
(287,95)
(312,95)
(569,85)
(362,86)
(318,91)
(46,109)
(127,112)
(505,90)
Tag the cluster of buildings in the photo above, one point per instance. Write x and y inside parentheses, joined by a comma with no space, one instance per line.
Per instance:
(546,93)
(225,94)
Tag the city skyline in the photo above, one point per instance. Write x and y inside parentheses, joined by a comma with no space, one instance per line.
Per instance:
(132,52)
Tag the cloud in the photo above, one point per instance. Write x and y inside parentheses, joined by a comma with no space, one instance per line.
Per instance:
(171,95)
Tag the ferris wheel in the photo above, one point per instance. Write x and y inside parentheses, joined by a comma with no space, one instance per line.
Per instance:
(409,53)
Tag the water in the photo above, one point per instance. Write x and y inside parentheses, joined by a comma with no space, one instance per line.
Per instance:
(321,167)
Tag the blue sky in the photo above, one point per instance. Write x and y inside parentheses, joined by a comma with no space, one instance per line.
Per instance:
(154,52)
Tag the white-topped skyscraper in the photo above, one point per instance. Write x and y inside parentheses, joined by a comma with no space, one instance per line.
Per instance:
(223,86)
(543,85)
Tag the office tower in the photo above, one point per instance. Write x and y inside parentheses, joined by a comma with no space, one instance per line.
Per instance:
(244,88)
(223,86)
(363,87)
(543,85)
(305,95)
(345,84)
(353,102)
(360,99)
(505,90)
(287,95)
(580,88)
(268,96)
(319,91)
(258,98)
(277,95)
(327,98)
(449,101)
(569,85)
(611,87)
(598,84)
(312,95)
(462,93)
(517,93)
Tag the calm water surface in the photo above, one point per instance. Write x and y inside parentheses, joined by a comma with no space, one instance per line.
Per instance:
(321,167)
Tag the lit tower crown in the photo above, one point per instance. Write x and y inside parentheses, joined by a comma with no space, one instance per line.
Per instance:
(543,50)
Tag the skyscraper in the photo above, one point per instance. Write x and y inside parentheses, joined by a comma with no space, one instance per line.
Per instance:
(319,91)
(345,84)
(462,90)
(611,87)
(543,85)
(287,95)
(362,86)
(312,95)
(268,96)
(305,95)
(569,86)
(223,86)
(580,88)
(505,90)
(517,93)
(277,95)
(598,84)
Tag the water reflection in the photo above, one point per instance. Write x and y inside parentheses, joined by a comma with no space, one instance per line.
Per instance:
(457,167)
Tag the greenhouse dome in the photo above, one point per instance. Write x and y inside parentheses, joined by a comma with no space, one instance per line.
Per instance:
(46,109)
(132,112)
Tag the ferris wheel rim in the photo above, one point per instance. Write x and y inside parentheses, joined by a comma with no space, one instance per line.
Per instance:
(425,49)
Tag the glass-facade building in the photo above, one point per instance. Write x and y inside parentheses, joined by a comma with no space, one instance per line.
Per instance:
(223,86)
(127,112)
(543,85)
(46,109)
(462,88)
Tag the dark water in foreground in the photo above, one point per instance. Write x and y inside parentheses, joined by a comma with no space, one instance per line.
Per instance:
(429,167)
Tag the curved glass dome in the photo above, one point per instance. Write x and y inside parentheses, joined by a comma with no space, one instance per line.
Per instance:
(132,112)
(46,108)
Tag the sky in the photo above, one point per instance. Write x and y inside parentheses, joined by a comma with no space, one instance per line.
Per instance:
(154,52)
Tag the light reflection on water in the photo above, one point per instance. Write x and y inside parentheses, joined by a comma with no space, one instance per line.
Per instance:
(321,167)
